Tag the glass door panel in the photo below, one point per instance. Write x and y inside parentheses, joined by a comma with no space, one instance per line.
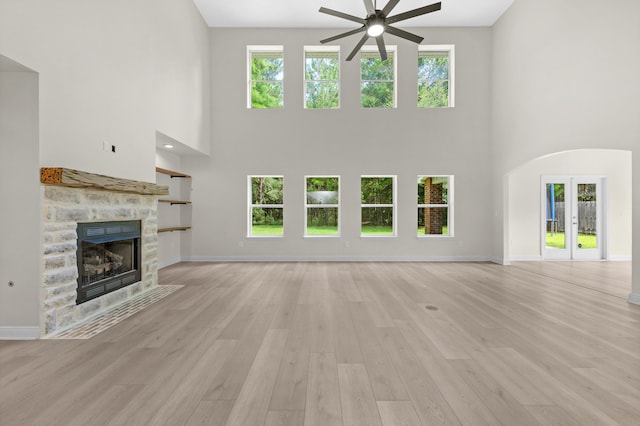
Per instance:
(587,219)
(555,209)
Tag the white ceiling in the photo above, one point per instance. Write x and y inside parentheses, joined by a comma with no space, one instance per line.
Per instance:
(304,13)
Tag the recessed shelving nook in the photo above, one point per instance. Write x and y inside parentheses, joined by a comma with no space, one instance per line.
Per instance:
(181,200)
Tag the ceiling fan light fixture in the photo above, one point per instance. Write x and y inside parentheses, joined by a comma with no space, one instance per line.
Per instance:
(375,27)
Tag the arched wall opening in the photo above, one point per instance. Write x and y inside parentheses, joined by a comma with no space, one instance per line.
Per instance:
(523,205)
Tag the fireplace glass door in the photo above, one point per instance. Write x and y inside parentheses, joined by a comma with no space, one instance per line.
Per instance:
(108,257)
(104,260)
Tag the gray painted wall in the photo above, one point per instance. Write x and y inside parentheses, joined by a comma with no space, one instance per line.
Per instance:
(20,213)
(112,71)
(565,80)
(349,142)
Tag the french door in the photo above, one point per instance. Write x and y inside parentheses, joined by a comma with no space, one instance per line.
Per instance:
(572,217)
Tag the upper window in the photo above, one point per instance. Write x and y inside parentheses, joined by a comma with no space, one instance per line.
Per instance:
(435,205)
(323,206)
(377,198)
(322,77)
(266,206)
(377,78)
(435,76)
(266,77)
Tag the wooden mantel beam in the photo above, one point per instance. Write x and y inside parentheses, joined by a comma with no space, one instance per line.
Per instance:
(77,179)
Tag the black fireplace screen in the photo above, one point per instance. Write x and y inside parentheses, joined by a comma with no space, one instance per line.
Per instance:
(104,260)
(108,257)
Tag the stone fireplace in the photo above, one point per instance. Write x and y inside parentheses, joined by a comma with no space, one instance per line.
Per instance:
(85,220)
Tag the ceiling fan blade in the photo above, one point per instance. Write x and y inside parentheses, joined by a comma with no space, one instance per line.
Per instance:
(371,10)
(415,12)
(389,7)
(381,48)
(348,33)
(361,43)
(404,34)
(343,15)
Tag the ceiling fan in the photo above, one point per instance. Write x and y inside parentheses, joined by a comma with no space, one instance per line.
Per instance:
(377,23)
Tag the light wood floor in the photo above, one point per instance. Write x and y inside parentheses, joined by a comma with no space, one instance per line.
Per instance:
(348,344)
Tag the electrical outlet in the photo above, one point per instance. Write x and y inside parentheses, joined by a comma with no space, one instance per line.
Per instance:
(346,244)
(108,147)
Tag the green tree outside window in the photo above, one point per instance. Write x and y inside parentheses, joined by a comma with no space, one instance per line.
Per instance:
(267,79)
(377,79)
(433,79)
(322,72)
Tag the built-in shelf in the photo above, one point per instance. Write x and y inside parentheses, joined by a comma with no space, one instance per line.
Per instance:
(171,173)
(175,228)
(180,199)
(172,202)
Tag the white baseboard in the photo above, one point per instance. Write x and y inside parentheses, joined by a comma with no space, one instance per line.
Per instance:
(19,333)
(337,259)
(500,261)
(620,258)
(164,264)
(634,298)
(526,258)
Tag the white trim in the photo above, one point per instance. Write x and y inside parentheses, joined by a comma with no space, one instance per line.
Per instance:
(503,262)
(526,258)
(634,298)
(339,259)
(622,258)
(19,333)
(169,262)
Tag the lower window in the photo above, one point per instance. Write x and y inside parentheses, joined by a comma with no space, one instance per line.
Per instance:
(377,198)
(435,201)
(322,206)
(266,212)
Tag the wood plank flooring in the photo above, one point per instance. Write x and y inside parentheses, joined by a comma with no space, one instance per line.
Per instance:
(536,343)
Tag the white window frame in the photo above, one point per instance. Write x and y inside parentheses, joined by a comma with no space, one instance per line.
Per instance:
(262,206)
(393,206)
(332,49)
(451,49)
(449,206)
(267,48)
(321,206)
(391,50)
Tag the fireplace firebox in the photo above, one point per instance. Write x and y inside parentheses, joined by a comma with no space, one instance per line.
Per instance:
(108,257)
